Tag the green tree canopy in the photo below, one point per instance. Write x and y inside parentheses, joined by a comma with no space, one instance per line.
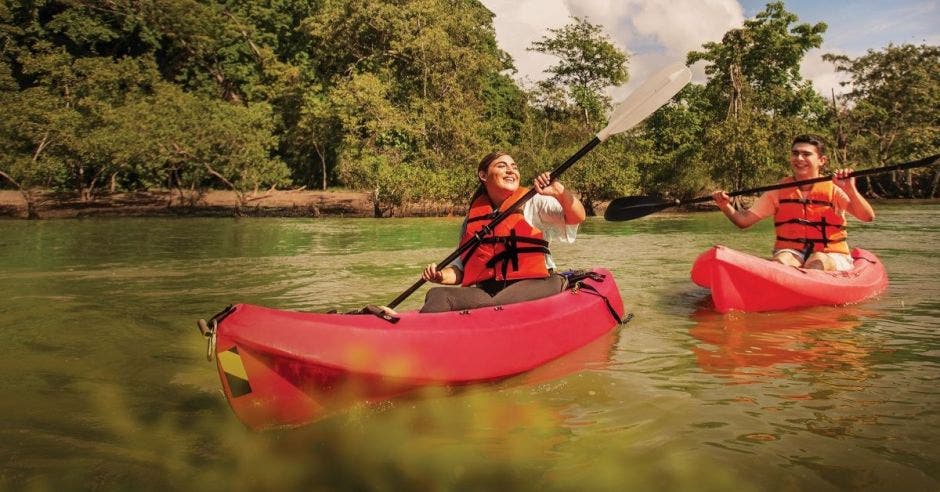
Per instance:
(402,97)
(894,110)
(415,89)
(588,64)
(757,66)
(756,98)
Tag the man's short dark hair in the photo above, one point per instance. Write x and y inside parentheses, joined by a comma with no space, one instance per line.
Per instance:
(812,139)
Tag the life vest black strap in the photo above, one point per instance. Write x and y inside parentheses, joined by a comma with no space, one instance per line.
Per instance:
(510,253)
(806,201)
(811,223)
(804,240)
(824,227)
(512,238)
(490,216)
(513,256)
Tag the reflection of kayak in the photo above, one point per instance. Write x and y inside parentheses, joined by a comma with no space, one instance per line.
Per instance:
(288,368)
(757,343)
(743,282)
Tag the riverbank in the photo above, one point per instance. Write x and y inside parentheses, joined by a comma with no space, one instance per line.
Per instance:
(275,203)
(218,203)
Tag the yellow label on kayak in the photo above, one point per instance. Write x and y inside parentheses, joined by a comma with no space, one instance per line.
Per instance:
(235,373)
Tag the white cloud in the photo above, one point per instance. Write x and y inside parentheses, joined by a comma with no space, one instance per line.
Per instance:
(652,32)
(655,33)
(678,26)
(823,74)
(519,23)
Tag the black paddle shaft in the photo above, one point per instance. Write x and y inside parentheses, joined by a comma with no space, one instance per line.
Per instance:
(488,229)
(855,174)
(634,207)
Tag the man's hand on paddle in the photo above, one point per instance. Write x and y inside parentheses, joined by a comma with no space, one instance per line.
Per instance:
(843,179)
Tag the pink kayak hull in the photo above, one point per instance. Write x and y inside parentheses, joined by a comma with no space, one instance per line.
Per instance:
(286,368)
(743,282)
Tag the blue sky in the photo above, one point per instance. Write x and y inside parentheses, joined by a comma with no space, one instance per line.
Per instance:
(860,25)
(657,32)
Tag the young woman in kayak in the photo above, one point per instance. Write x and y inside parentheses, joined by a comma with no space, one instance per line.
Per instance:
(810,219)
(513,263)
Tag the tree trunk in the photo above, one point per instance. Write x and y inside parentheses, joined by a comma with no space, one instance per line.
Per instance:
(588,201)
(179,191)
(322,157)
(239,196)
(194,195)
(734,105)
(881,189)
(242,203)
(80,182)
(934,185)
(909,181)
(32,211)
(840,150)
(376,206)
(869,187)
(88,192)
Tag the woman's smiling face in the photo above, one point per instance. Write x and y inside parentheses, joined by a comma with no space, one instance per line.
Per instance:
(501,177)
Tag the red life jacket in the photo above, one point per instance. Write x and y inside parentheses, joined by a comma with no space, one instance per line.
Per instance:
(808,222)
(514,250)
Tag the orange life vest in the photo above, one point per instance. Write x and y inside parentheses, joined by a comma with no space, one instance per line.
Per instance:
(808,222)
(514,250)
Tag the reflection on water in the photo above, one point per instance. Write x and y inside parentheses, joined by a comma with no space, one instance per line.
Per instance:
(595,356)
(805,383)
(742,345)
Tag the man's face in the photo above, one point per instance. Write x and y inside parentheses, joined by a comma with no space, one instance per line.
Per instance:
(805,161)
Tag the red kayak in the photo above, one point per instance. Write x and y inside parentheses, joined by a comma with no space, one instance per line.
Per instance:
(286,368)
(743,282)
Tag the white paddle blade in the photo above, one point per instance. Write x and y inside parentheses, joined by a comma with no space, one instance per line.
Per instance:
(647,98)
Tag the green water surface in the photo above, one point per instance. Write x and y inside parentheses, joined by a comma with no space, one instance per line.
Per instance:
(106,385)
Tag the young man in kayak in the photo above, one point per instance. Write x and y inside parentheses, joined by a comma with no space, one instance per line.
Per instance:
(513,263)
(810,219)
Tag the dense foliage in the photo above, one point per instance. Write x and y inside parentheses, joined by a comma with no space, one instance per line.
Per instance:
(893,115)
(402,97)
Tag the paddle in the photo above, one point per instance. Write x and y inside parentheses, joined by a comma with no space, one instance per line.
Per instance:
(642,102)
(634,207)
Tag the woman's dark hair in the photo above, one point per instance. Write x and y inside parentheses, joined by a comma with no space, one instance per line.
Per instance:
(483,166)
(812,139)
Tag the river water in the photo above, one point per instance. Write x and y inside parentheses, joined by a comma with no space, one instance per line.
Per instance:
(105,383)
